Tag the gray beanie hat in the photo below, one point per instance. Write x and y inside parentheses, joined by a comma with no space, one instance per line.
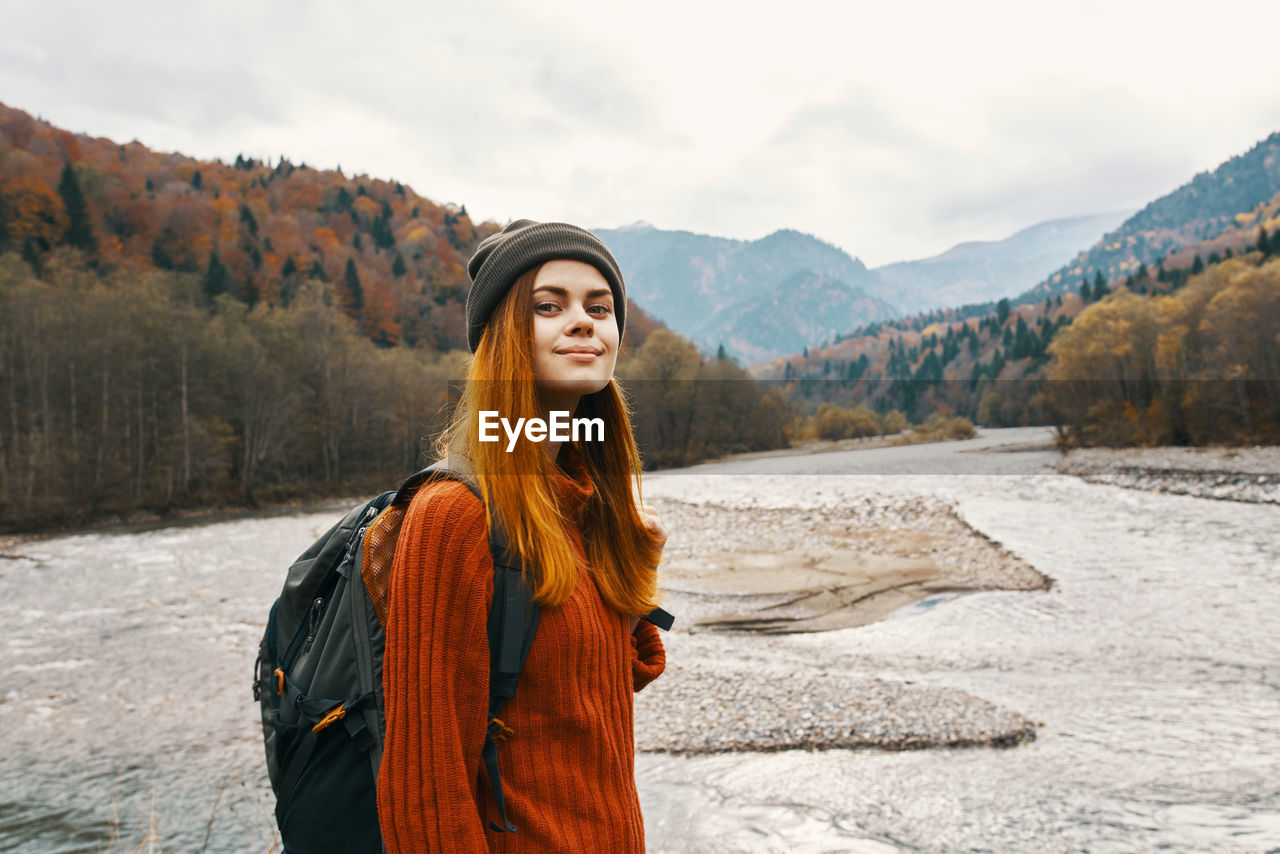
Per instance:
(501,258)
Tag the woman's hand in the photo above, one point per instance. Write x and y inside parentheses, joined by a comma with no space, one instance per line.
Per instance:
(654,526)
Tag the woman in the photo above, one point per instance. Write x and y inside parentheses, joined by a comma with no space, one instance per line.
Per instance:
(545,316)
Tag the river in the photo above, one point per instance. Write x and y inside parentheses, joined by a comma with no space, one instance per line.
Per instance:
(1153,664)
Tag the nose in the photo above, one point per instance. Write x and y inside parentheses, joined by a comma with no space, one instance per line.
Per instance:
(579,321)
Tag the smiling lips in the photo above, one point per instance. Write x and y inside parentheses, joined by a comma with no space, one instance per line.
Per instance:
(580,354)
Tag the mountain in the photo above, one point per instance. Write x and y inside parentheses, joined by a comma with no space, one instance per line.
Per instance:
(987,270)
(760,298)
(1199,211)
(792,316)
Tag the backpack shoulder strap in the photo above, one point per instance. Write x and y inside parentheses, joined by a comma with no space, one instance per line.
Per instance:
(512,624)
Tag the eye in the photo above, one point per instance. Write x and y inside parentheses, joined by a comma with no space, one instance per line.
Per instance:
(546,306)
(604,310)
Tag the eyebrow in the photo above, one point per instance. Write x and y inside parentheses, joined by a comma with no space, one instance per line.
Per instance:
(559,291)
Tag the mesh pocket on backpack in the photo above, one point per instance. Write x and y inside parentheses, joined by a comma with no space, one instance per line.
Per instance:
(379,550)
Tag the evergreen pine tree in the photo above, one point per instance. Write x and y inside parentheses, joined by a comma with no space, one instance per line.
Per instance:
(398,267)
(1002,311)
(1264,245)
(79,233)
(215,280)
(196,181)
(355,294)
(288,281)
(383,238)
(1085,293)
(247,217)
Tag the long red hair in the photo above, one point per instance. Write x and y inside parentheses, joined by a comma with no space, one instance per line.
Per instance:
(518,485)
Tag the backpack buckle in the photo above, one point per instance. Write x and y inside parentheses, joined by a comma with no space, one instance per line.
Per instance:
(337,713)
(500,732)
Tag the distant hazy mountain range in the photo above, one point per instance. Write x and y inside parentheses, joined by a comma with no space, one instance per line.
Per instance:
(789,290)
(982,270)
(758,298)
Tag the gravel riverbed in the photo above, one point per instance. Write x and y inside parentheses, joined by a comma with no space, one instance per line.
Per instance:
(728,688)
(699,708)
(1250,474)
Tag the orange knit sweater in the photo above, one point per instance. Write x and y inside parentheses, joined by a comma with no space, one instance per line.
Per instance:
(568,772)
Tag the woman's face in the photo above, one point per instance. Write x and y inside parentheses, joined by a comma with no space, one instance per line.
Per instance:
(575,333)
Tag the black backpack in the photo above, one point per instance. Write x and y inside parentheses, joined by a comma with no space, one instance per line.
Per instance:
(318,677)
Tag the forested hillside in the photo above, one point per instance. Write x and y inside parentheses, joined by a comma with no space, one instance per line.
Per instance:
(1188,353)
(1201,213)
(181,334)
(250,230)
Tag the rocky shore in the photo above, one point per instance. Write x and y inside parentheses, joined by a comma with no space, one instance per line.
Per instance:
(1250,475)
(743,579)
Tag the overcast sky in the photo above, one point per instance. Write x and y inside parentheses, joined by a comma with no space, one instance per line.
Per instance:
(891,130)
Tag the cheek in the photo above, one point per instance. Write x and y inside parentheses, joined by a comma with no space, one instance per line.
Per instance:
(610,332)
(544,335)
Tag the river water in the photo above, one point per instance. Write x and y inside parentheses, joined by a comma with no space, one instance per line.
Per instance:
(1153,664)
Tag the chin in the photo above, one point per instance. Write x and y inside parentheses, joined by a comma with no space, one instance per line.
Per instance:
(581,386)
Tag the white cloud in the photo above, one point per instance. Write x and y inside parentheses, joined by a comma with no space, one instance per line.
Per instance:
(892,131)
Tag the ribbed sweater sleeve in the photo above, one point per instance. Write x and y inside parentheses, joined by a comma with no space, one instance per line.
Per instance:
(649,657)
(436,676)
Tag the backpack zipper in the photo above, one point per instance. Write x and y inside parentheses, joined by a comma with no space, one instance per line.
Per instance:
(316,607)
